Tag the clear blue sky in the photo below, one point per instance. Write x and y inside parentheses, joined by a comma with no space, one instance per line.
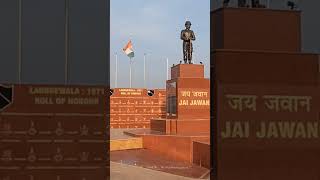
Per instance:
(154,27)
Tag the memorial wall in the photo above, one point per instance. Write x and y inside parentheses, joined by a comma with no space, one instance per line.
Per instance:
(53,116)
(133,108)
(53,132)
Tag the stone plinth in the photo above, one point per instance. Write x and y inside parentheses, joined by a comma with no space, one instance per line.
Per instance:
(179,148)
(187,71)
(261,67)
(201,153)
(255,29)
(188,102)
(265,106)
(181,126)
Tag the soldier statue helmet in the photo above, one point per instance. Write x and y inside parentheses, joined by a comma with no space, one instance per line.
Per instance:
(187,36)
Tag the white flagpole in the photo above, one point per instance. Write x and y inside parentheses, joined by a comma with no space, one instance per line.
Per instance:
(130,73)
(20,43)
(66,32)
(144,70)
(167,68)
(116,76)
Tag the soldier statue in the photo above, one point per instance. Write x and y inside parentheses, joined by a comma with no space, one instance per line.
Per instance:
(187,36)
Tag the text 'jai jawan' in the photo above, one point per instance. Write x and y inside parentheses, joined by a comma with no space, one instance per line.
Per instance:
(196,101)
(272,129)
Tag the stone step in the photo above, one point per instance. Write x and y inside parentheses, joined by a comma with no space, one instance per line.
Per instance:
(126,144)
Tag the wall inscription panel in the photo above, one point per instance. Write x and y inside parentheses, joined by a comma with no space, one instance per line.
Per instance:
(133,108)
(54,133)
(261,125)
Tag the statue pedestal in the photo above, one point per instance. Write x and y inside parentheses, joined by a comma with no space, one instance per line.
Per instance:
(184,135)
(262,60)
(188,102)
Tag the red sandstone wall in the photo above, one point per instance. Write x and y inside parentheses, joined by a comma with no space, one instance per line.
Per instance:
(266,103)
(179,148)
(133,108)
(187,71)
(193,126)
(237,66)
(44,135)
(158,125)
(274,155)
(193,85)
(201,153)
(255,29)
(182,126)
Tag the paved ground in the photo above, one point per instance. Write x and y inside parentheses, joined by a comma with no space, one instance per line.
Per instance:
(129,172)
(149,160)
(143,164)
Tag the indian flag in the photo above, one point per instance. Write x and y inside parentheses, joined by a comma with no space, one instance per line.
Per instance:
(128,50)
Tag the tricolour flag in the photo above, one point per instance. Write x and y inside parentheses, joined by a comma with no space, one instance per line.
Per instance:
(128,50)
